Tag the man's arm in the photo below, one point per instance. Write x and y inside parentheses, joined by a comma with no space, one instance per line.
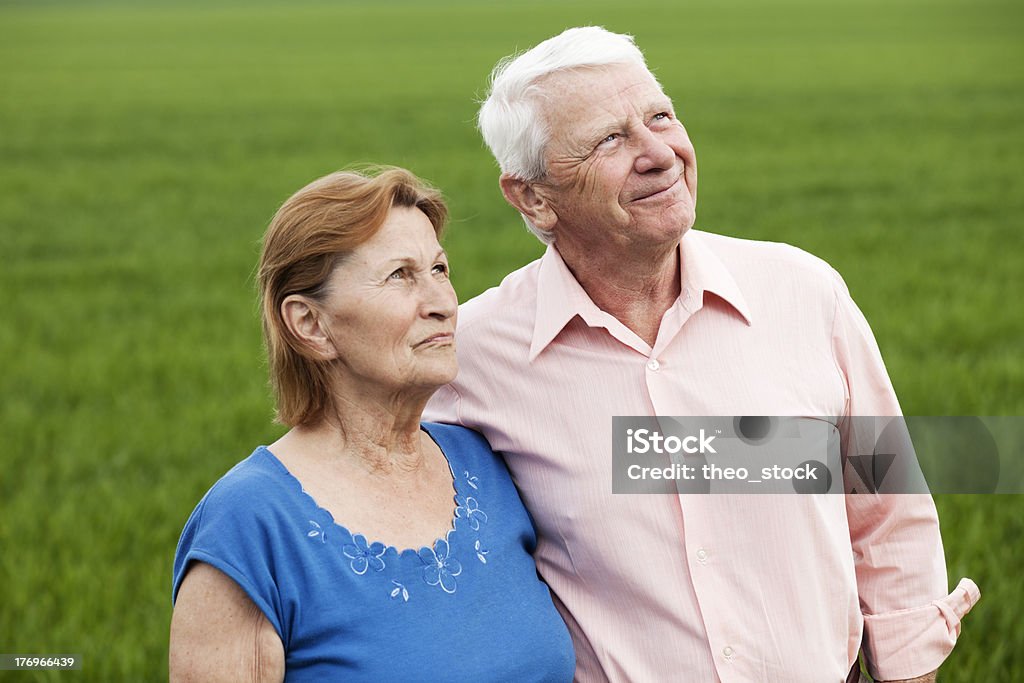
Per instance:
(910,621)
(927,678)
(444,406)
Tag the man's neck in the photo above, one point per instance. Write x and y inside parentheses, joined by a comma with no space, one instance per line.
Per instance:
(636,288)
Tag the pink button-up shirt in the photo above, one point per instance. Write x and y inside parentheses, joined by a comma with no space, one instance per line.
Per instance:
(704,587)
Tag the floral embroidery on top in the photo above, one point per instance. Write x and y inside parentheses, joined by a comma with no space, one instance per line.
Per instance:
(468,509)
(399,589)
(441,568)
(317,532)
(480,552)
(364,556)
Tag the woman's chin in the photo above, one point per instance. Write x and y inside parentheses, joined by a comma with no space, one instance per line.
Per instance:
(438,375)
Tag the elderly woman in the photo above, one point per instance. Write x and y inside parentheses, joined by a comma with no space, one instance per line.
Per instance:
(362,545)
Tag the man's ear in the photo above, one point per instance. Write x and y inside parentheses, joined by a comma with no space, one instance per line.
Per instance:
(308,327)
(524,196)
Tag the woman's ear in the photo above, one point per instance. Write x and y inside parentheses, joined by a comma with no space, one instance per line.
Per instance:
(531,203)
(307,325)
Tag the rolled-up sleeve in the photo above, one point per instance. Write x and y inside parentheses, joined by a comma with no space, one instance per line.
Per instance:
(911,642)
(911,622)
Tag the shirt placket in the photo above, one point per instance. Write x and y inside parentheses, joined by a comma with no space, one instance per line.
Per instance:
(663,378)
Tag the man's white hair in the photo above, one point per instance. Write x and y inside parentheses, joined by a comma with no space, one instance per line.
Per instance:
(510,118)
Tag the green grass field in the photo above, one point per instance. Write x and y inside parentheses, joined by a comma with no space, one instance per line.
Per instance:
(144,148)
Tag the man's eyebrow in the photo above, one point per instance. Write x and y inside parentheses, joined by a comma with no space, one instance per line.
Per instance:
(599,133)
(593,134)
(658,104)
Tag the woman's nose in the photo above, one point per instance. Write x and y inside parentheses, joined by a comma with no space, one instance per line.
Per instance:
(440,300)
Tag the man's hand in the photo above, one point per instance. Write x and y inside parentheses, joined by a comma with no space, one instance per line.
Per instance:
(927,678)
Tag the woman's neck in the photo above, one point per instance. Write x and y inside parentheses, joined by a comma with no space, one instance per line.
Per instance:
(382,437)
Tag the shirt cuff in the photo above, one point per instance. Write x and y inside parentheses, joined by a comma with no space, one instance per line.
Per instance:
(912,642)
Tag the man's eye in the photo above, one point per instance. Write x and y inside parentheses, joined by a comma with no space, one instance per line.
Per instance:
(397,275)
(441,268)
(662,116)
(610,138)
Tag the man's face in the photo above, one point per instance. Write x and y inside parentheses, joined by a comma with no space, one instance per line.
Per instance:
(621,170)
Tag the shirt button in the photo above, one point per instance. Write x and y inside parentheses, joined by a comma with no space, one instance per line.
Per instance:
(653,365)
(728,652)
(702,555)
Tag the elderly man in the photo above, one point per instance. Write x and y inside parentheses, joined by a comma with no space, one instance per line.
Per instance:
(630,312)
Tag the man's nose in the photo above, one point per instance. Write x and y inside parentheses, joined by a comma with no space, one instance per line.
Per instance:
(654,154)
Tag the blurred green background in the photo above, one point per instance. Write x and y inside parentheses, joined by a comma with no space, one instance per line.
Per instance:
(145,146)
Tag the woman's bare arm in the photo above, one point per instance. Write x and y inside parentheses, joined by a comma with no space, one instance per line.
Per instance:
(219,634)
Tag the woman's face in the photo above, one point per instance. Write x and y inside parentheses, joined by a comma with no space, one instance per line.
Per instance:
(390,309)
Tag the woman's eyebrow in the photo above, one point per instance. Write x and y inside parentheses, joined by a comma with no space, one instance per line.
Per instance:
(412,259)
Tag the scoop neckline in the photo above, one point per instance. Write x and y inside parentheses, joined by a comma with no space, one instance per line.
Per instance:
(388,548)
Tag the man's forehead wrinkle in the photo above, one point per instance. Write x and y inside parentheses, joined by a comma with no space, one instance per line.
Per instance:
(564,82)
(617,107)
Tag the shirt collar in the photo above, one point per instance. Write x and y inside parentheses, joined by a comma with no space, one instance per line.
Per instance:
(702,271)
(560,297)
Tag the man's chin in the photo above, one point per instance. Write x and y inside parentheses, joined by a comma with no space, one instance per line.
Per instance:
(669,227)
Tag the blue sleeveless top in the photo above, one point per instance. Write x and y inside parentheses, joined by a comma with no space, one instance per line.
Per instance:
(470,608)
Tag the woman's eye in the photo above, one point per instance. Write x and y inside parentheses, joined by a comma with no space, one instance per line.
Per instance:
(662,116)
(397,275)
(611,138)
(441,268)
